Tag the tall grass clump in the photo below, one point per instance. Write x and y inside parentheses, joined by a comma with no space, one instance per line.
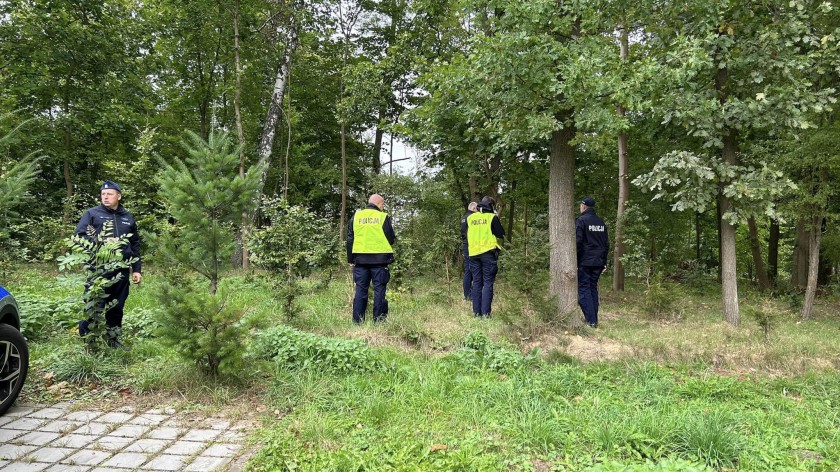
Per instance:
(74,364)
(711,438)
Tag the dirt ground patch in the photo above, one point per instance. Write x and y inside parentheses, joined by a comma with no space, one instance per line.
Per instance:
(583,348)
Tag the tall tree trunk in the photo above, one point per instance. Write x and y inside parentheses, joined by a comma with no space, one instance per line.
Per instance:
(799,267)
(758,261)
(773,252)
(623,183)
(276,105)
(728,254)
(509,233)
(814,240)
(343,222)
(68,178)
(377,149)
(240,134)
(561,222)
(728,260)
(697,235)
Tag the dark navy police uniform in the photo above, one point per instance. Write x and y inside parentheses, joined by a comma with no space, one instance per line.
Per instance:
(593,244)
(123,223)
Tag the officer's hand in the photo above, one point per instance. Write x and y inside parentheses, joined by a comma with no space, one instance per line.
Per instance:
(137,278)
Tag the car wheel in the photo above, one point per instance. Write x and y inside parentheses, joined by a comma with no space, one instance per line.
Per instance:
(14,364)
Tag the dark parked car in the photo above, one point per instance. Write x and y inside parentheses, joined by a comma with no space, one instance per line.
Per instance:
(14,354)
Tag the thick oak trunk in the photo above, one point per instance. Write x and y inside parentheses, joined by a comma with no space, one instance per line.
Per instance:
(728,259)
(561,222)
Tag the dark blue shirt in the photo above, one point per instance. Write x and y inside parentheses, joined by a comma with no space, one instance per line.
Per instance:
(593,242)
(123,222)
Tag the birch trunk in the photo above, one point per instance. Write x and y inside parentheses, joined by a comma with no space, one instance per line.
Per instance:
(623,185)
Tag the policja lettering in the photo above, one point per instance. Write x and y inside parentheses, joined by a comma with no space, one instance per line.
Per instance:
(478,221)
(369,221)
(596,228)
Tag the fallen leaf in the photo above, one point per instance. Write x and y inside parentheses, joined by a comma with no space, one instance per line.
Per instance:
(439,447)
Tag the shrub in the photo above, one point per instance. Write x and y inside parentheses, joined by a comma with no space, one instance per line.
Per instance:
(203,327)
(477,352)
(45,316)
(295,242)
(102,257)
(295,349)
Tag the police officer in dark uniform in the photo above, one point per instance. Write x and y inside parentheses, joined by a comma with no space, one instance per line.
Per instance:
(370,239)
(465,250)
(593,244)
(123,223)
(483,229)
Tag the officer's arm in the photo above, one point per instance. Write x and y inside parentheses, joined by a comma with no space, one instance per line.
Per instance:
(134,242)
(579,232)
(464,228)
(388,229)
(84,222)
(496,228)
(349,243)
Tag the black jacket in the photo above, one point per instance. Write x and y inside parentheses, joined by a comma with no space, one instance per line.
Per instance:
(123,224)
(464,242)
(371,259)
(593,242)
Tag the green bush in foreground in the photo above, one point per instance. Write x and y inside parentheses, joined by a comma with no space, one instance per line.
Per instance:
(295,349)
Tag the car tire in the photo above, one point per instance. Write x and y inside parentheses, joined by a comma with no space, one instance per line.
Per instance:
(14,365)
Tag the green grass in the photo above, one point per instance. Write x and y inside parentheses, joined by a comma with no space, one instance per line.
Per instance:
(443,391)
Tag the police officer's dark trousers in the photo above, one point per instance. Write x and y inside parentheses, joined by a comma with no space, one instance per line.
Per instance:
(588,292)
(363,276)
(118,292)
(467,273)
(484,269)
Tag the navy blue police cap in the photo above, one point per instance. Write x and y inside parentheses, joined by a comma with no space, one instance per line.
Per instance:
(588,201)
(108,184)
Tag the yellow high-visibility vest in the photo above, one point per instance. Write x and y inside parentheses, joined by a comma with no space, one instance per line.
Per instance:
(480,238)
(368,235)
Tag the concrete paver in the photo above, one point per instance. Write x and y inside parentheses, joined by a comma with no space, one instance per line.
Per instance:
(56,438)
(127,460)
(87,457)
(149,446)
(185,448)
(207,464)
(37,438)
(25,467)
(75,441)
(166,462)
(166,433)
(50,455)
(14,452)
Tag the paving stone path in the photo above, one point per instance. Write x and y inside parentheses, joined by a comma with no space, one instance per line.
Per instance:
(63,438)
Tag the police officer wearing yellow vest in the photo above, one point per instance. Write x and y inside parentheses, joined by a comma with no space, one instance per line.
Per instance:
(483,227)
(370,239)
